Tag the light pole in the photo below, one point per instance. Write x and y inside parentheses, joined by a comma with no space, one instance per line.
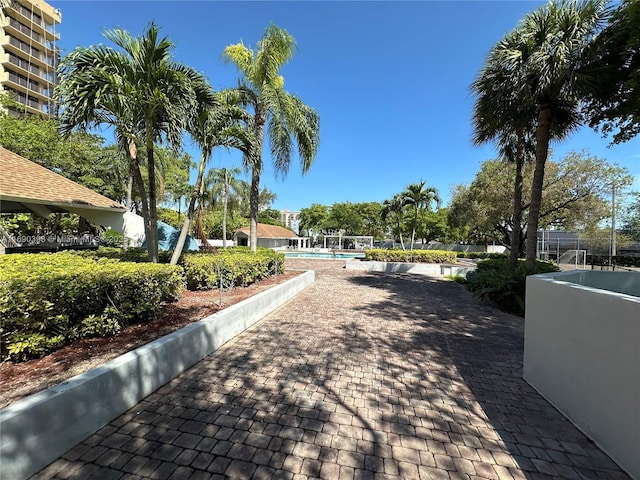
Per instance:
(613,224)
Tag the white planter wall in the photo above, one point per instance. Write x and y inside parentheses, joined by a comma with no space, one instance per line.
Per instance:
(582,353)
(38,429)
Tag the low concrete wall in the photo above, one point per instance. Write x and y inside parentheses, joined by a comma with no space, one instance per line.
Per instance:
(582,353)
(438,269)
(619,282)
(38,429)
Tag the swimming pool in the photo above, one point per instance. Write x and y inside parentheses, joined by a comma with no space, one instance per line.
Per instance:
(335,256)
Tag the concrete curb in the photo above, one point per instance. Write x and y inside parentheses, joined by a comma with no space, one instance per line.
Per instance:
(439,269)
(38,429)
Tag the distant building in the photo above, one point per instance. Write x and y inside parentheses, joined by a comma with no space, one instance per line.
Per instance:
(271,236)
(290,220)
(295,226)
(29,55)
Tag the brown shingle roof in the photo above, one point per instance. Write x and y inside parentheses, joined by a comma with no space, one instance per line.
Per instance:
(271,231)
(22,180)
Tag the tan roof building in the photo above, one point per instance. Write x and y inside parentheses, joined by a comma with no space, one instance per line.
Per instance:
(26,187)
(270,236)
(23,183)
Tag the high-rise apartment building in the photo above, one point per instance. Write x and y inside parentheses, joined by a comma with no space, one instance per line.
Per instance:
(290,220)
(28,53)
(286,217)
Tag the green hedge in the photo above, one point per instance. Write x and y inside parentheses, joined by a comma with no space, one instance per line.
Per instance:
(496,281)
(47,300)
(203,270)
(483,255)
(231,266)
(137,255)
(411,256)
(618,260)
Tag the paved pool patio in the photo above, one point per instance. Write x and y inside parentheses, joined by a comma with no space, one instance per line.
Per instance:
(363,375)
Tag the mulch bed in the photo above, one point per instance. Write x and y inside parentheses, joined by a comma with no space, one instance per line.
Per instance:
(18,380)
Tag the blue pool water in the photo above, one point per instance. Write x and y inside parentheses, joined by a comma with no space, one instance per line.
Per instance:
(323,255)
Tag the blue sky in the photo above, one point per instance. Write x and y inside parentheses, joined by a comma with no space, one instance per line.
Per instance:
(390,81)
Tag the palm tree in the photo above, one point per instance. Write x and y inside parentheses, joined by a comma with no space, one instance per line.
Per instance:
(81,80)
(140,90)
(504,112)
(284,115)
(214,123)
(395,208)
(500,115)
(418,197)
(225,183)
(241,201)
(266,198)
(546,70)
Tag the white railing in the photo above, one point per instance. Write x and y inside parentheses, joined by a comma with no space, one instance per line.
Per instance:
(7,240)
(575,258)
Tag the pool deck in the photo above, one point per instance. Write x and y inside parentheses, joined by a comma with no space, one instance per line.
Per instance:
(362,375)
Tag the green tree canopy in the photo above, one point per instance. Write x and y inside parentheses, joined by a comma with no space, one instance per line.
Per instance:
(344,217)
(576,195)
(434,225)
(81,157)
(314,218)
(418,197)
(270,216)
(393,212)
(631,218)
(615,105)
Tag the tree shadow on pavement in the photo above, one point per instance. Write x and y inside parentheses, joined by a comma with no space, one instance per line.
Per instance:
(363,375)
(464,358)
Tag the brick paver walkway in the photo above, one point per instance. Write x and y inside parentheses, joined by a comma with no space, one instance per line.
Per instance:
(363,375)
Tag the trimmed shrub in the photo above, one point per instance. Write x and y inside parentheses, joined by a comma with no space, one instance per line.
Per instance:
(618,260)
(203,270)
(47,300)
(482,255)
(104,325)
(232,266)
(411,256)
(113,239)
(495,281)
(69,296)
(25,346)
(133,254)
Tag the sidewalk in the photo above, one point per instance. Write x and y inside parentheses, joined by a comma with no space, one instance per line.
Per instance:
(363,375)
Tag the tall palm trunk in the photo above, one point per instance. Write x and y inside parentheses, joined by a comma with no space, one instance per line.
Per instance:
(400,234)
(253,209)
(129,198)
(188,218)
(413,230)
(516,229)
(542,150)
(137,177)
(152,238)
(133,154)
(254,193)
(200,233)
(225,200)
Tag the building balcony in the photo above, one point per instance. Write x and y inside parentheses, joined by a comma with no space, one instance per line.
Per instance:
(28,102)
(29,71)
(25,88)
(34,21)
(29,36)
(19,49)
